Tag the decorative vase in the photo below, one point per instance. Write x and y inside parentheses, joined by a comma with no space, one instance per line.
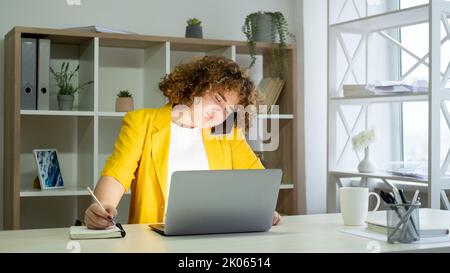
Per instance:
(124,104)
(194,32)
(264,29)
(65,102)
(366,165)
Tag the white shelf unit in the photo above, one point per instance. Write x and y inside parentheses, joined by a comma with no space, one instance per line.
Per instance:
(367,28)
(85,137)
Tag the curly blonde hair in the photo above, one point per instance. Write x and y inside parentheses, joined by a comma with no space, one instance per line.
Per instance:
(210,74)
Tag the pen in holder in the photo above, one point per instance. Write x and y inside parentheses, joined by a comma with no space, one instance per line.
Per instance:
(403,223)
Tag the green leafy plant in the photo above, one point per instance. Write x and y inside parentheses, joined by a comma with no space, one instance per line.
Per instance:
(64,77)
(279,27)
(193,22)
(124,94)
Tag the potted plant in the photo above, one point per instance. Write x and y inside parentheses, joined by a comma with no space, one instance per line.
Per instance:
(124,101)
(360,142)
(66,88)
(194,28)
(268,27)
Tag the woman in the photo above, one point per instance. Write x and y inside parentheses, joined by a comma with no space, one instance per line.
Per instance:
(154,143)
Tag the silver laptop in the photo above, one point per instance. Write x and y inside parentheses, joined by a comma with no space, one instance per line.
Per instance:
(225,201)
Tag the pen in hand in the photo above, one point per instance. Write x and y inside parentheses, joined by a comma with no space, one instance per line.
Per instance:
(100,204)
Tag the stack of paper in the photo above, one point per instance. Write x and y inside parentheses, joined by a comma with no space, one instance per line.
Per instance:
(409,169)
(385,88)
(101,29)
(271,89)
(398,87)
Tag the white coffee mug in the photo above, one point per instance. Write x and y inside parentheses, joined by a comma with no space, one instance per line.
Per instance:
(355,204)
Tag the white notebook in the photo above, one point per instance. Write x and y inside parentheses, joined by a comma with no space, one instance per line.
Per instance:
(82,232)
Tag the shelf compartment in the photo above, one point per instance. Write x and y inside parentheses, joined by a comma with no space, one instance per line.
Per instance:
(108,132)
(76,51)
(82,54)
(136,70)
(72,137)
(180,54)
(275,157)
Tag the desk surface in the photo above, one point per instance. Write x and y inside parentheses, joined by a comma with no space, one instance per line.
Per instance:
(305,233)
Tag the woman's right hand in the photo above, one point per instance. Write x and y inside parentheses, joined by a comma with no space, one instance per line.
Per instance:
(97,218)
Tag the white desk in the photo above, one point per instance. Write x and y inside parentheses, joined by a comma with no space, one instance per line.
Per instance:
(307,233)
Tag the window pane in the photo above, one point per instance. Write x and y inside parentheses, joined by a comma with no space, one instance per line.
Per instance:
(415,114)
(415,131)
(411,3)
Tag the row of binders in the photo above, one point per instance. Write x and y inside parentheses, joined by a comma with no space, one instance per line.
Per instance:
(271,89)
(35,83)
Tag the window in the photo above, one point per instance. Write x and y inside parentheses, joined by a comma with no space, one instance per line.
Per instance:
(414,114)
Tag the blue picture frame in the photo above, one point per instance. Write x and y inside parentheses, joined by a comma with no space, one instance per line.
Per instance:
(49,170)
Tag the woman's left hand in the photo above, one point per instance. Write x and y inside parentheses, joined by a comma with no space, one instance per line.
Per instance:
(276,218)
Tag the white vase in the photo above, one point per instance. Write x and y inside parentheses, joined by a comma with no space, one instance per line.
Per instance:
(366,165)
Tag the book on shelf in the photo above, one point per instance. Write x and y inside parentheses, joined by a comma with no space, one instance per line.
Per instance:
(271,89)
(356,91)
(431,223)
(101,29)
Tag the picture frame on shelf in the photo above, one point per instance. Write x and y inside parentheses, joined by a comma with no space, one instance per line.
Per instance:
(49,170)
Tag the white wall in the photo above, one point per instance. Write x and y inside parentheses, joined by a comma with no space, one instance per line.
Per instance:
(221,20)
(315,92)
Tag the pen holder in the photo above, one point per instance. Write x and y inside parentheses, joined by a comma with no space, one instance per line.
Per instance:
(403,223)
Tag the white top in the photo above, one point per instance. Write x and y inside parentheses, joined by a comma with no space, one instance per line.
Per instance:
(186,151)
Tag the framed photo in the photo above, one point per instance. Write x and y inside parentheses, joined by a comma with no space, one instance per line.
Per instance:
(49,170)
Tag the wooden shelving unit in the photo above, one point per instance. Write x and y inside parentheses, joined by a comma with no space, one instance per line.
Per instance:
(85,137)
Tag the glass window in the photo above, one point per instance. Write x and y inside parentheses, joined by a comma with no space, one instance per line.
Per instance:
(414,114)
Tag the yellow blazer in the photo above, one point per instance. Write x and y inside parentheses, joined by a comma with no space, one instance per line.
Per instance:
(140,159)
